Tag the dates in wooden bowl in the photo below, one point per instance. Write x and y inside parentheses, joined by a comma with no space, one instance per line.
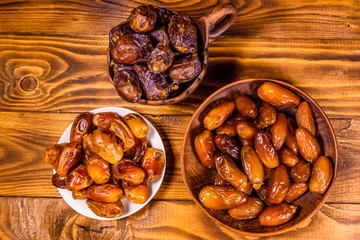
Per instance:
(160,56)
(285,162)
(108,164)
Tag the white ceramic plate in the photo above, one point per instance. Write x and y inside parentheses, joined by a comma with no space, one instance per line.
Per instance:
(154,140)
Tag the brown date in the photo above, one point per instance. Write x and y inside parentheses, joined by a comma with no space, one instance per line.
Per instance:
(106,146)
(279,131)
(107,210)
(118,31)
(159,34)
(230,172)
(59,181)
(103,119)
(143,18)
(205,148)
(68,158)
(301,171)
(290,140)
(278,185)
(154,85)
(137,152)
(183,33)
(85,158)
(153,164)
(321,175)
(105,193)
(221,197)
(276,214)
(135,193)
(80,194)
(88,147)
(127,85)
(252,166)
(265,150)
(128,50)
(185,69)
(52,153)
(164,16)
(136,124)
(229,127)
(296,190)
(262,192)
(251,209)
(82,125)
(218,115)
(277,95)
(308,145)
(304,117)
(266,116)
(288,157)
(246,188)
(161,58)
(129,171)
(123,132)
(78,178)
(228,146)
(98,169)
(246,130)
(246,106)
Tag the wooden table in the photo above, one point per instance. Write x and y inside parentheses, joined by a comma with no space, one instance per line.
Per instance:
(53,66)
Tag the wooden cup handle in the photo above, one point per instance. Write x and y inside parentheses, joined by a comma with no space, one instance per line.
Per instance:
(212,28)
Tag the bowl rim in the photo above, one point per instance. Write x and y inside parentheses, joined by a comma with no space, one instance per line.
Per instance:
(335,160)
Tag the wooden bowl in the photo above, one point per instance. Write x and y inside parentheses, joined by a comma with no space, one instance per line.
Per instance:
(210,26)
(196,176)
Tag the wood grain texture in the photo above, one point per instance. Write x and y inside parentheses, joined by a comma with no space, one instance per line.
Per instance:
(37,218)
(26,135)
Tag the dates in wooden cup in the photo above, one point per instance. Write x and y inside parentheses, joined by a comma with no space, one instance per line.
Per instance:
(153,54)
(107,160)
(256,144)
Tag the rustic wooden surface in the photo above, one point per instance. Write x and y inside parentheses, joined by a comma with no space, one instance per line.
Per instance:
(53,66)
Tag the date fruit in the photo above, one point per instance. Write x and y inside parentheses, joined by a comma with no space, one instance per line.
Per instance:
(106,146)
(123,132)
(59,181)
(290,140)
(104,119)
(296,190)
(301,171)
(205,148)
(98,169)
(229,127)
(266,116)
(308,145)
(129,171)
(136,124)
(278,185)
(107,210)
(143,18)
(246,106)
(161,58)
(221,197)
(277,95)
(183,33)
(135,193)
(127,85)
(82,125)
(78,178)
(288,157)
(69,157)
(153,164)
(304,117)
(251,209)
(218,115)
(265,150)
(279,131)
(228,146)
(252,166)
(321,175)
(105,193)
(276,215)
(185,69)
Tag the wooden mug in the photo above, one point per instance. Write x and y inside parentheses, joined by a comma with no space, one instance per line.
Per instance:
(210,26)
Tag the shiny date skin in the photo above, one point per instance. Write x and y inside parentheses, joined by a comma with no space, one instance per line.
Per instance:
(221,197)
(106,146)
(246,130)
(82,125)
(59,181)
(246,106)
(230,172)
(278,131)
(183,34)
(107,210)
(265,150)
(218,115)
(161,58)
(251,209)
(127,85)
(304,117)
(143,18)
(136,124)
(137,152)
(296,190)
(321,174)
(266,116)
(135,193)
(153,164)
(103,119)
(69,157)
(228,146)
(309,147)
(278,185)
(123,132)
(205,148)
(80,194)
(301,171)
(277,95)
(78,178)
(185,69)
(290,140)
(105,193)
(98,169)
(229,127)
(262,192)
(252,166)
(276,215)
(129,171)
(288,157)
(52,153)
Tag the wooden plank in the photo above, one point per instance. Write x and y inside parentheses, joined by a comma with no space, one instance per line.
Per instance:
(25,135)
(261,19)
(37,218)
(68,73)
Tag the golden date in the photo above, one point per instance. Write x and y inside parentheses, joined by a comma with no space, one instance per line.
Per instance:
(251,209)
(218,115)
(275,215)
(277,95)
(321,175)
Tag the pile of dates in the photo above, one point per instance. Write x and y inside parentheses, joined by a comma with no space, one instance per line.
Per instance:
(255,146)
(107,160)
(153,53)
